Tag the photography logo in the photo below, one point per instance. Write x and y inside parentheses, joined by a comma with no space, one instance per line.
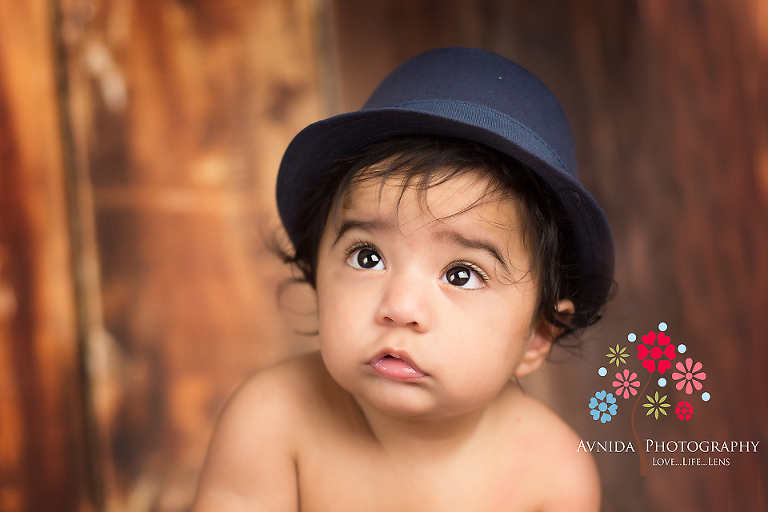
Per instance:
(658,358)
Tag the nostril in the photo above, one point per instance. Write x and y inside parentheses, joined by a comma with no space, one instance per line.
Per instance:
(403,309)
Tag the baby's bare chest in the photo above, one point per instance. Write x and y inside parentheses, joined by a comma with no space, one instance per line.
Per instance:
(340,476)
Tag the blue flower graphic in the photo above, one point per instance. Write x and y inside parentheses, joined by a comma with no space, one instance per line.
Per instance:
(603,406)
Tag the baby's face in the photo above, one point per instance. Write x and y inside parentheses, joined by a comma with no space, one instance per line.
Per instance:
(425,312)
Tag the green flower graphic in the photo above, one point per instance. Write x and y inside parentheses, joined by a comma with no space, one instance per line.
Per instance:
(656,405)
(617,355)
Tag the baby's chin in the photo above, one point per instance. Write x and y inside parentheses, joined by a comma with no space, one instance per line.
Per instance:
(401,400)
(412,402)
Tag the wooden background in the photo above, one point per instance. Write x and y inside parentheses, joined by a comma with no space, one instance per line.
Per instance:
(139,142)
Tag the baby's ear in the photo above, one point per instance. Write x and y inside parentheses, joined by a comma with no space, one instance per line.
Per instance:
(541,341)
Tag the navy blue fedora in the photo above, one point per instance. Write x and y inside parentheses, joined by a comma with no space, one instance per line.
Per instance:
(474,95)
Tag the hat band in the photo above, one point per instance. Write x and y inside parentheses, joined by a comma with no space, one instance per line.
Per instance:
(490,120)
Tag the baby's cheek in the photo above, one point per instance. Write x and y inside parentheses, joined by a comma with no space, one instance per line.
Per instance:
(338,320)
(338,325)
(340,363)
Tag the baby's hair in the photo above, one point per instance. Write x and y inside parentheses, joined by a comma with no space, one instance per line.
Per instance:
(420,162)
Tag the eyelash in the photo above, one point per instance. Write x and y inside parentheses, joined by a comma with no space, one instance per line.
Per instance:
(360,244)
(471,266)
(357,245)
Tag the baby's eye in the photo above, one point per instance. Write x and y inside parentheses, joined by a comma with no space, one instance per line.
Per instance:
(366,258)
(463,277)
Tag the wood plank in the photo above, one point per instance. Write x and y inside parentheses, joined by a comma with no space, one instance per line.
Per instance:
(42,447)
(181,112)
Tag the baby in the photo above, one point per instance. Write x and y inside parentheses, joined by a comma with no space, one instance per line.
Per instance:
(449,245)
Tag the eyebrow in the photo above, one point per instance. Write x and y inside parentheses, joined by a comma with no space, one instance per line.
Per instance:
(380,225)
(374,226)
(462,241)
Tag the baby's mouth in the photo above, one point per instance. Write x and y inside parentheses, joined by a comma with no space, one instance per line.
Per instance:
(396,365)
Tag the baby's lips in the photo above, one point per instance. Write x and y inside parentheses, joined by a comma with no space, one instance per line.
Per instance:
(396,365)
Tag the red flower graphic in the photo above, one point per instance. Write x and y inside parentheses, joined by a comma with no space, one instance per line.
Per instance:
(663,352)
(626,384)
(684,410)
(690,374)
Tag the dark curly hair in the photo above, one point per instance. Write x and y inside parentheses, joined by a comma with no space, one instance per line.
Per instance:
(419,163)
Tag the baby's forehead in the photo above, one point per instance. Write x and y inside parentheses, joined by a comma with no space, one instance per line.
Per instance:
(440,188)
(466,199)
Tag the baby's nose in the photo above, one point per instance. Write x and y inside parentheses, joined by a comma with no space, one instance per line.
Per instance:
(405,302)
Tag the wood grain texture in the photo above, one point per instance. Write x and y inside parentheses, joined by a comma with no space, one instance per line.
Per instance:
(181,111)
(42,447)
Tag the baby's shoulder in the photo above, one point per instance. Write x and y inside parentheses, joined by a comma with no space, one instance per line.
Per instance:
(283,392)
(543,426)
(272,408)
(251,462)
(568,477)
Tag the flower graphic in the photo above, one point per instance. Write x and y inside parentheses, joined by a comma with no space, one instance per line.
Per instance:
(603,406)
(656,405)
(617,355)
(687,375)
(650,352)
(626,384)
(684,410)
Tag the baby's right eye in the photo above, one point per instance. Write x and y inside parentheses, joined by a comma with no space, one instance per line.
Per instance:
(366,258)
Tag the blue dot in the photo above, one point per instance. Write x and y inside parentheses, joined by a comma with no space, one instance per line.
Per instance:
(705,396)
(662,382)
(632,337)
(681,348)
(602,371)
(662,326)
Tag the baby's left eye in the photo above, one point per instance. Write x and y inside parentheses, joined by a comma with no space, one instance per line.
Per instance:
(462,277)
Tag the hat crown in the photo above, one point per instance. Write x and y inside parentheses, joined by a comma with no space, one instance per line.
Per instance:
(478,77)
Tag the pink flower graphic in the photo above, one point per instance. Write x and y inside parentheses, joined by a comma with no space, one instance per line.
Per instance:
(626,384)
(689,374)
(663,352)
(684,410)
